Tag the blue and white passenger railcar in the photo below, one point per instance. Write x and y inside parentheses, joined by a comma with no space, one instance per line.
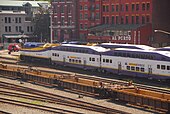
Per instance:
(38,54)
(140,63)
(86,57)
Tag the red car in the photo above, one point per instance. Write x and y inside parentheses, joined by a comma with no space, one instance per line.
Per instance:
(13,48)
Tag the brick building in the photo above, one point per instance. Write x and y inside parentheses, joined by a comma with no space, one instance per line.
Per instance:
(148,14)
(93,20)
(89,15)
(64,21)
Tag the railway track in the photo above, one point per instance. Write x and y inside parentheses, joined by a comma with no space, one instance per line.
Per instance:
(4,112)
(53,98)
(99,78)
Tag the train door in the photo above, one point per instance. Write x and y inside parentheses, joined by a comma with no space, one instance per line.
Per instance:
(100,60)
(119,67)
(64,59)
(84,63)
(149,69)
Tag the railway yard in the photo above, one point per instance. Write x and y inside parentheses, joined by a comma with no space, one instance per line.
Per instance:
(27,88)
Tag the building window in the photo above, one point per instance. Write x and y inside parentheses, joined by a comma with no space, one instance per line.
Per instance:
(69,21)
(103,8)
(62,20)
(113,20)
(97,15)
(62,9)
(6,29)
(103,20)
(9,28)
(117,8)
(143,6)
(81,16)
(127,20)
(85,7)
(127,8)
(137,19)
(148,6)
(85,16)
(85,26)
(117,20)
(28,29)
(122,20)
(133,19)
(97,6)
(107,8)
(9,20)
(16,28)
(122,7)
(20,29)
(133,7)
(19,19)
(137,7)
(69,8)
(147,19)
(16,20)
(81,7)
(6,19)
(113,9)
(107,20)
(143,20)
(81,26)
(31,29)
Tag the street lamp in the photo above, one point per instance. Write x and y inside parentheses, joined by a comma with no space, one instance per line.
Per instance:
(162,31)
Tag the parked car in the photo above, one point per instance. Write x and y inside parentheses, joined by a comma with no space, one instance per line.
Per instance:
(13,48)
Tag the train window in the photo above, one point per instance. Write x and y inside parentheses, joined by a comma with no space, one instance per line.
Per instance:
(107,60)
(142,69)
(133,55)
(128,67)
(116,54)
(128,54)
(79,61)
(163,58)
(69,60)
(110,60)
(73,60)
(104,60)
(90,59)
(132,68)
(52,54)
(151,57)
(93,59)
(124,54)
(158,66)
(76,61)
(168,67)
(137,68)
(163,67)
(137,55)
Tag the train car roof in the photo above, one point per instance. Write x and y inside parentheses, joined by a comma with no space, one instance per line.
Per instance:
(96,48)
(144,47)
(163,48)
(165,53)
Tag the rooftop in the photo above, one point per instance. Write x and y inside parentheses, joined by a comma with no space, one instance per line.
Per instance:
(20,3)
(115,27)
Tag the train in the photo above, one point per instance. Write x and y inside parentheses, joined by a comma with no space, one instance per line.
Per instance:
(146,63)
